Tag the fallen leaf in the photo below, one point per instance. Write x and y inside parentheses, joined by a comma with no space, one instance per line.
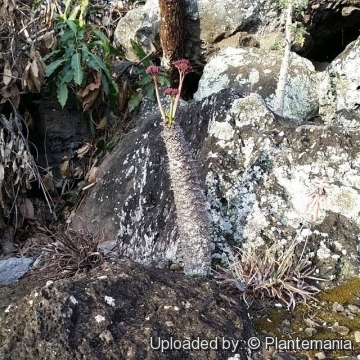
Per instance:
(7,76)
(92,175)
(27,209)
(48,40)
(15,95)
(78,172)
(83,150)
(65,167)
(91,91)
(35,75)
(2,172)
(49,181)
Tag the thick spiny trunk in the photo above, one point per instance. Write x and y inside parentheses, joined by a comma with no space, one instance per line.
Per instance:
(192,220)
(281,86)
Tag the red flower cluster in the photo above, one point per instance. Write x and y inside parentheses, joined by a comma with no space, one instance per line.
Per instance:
(153,70)
(183,66)
(171,91)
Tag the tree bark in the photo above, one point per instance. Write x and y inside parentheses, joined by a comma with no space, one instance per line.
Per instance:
(192,220)
(171,31)
(283,76)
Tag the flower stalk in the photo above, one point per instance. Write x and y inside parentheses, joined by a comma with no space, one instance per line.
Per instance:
(192,220)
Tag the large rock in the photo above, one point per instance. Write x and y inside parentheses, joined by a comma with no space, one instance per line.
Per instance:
(257,70)
(340,89)
(205,23)
(124,311)
(266,180)
(13,269)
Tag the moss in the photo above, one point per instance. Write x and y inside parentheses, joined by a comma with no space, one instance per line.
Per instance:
(321,313)
(344,293)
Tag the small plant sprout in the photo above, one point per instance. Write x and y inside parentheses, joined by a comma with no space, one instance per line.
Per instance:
(192,221)
(317,199)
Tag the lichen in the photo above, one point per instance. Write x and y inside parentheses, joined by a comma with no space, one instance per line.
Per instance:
(344,200)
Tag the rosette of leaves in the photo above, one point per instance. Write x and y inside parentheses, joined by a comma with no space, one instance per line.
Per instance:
(81,61)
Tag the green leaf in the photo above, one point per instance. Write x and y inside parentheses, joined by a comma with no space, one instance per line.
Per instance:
(62,94)
(114,51)
(66,36)
(105,85)
(74,12)
(134,101)
(53,66)
(100,64)
(67,73)
(72,26)
(52,53)
(84,52)
(100,35)
(140,53)
(147,79)
(69,50)
(76,67)
(83,7)
(163,80)
(101,144)
(109,145)
(91,122)
(150,91)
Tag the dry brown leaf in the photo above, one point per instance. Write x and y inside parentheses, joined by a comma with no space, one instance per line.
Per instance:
(78,172)
(26,81)
(7,73)
(5,94)
(27,209)
(15,95)
(2,172)
(34,73)
(34,68)
(91,91)
(65,167)
(124,94)
(83,150)
(48,40)
(92,175)
(49,181)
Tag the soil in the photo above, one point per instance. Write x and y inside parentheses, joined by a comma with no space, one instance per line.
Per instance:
(120,311)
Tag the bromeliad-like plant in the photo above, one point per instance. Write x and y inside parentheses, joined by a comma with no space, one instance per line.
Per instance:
(81,60)
(192,221)
(275,273)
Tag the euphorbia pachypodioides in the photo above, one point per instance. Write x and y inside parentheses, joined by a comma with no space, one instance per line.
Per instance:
(192,221)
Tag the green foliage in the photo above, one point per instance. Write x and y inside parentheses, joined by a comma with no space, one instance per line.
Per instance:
(82,51)
(298,33)
(298,5)
(147,87)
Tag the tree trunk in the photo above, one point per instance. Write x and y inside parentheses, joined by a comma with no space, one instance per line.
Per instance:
(192,220)
(281,86)
(171,31)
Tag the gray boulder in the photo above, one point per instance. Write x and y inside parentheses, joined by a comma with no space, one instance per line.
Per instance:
(340,89)
(205,23)
(257,70)
(13,269)
(265,179)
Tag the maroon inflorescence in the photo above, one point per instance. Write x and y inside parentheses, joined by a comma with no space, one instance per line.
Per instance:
(183,66)
(153,70)
(171,91)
